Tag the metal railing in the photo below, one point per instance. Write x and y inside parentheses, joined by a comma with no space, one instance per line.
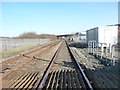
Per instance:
(102,50)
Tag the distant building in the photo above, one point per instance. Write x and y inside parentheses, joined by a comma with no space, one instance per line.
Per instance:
(83,36)
(65,37)
(77,37)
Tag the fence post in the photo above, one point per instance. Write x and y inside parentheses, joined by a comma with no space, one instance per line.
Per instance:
(113,54)
(110,48)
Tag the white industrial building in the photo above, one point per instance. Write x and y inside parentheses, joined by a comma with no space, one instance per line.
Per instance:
(103,34)
(79,37)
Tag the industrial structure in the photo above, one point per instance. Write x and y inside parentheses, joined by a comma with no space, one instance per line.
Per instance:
(103,42)
(105,34)
(77,37)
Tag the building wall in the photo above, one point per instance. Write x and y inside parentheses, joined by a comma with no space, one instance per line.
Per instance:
(106,34)
(92,34)
(79,38)
(76,38)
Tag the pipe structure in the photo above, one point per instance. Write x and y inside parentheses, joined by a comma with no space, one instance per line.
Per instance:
(113,54)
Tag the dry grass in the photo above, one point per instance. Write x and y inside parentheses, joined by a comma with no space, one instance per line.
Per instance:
(14,51)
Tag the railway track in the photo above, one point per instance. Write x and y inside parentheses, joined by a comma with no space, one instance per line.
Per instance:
(13,58)
(48,76)
(34,65)
(65,78)
(23,58)
(102,76)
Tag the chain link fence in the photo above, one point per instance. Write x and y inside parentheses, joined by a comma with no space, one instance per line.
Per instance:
(8,43)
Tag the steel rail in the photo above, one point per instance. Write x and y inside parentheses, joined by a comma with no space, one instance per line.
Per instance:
(43,79)
(27,52)
(80,69)
(23,63)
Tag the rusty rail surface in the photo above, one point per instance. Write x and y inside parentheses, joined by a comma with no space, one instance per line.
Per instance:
(9,59)
(53,79)
(43,79)
(23,63)
(63,79)
(80,69)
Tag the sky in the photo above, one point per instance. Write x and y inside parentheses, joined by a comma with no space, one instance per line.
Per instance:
(55,17)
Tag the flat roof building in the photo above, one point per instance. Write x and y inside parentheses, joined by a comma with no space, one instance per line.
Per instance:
(104,34)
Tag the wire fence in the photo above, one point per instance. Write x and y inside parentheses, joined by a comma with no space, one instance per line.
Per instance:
(8,43)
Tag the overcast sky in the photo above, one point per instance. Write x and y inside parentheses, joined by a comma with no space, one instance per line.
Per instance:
(56,17)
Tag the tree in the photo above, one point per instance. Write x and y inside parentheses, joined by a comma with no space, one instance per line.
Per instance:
(28,35)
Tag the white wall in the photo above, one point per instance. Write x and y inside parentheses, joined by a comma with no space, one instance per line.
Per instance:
(108,34)
(104,34)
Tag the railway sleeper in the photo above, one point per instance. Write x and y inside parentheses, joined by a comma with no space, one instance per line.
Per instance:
(64,79)
(24,81)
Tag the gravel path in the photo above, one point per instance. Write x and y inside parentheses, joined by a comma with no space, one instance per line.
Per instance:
(87,60)
(63,60)
(101,76)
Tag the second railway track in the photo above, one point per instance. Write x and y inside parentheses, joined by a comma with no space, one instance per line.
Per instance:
(35,63)
(23,58)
